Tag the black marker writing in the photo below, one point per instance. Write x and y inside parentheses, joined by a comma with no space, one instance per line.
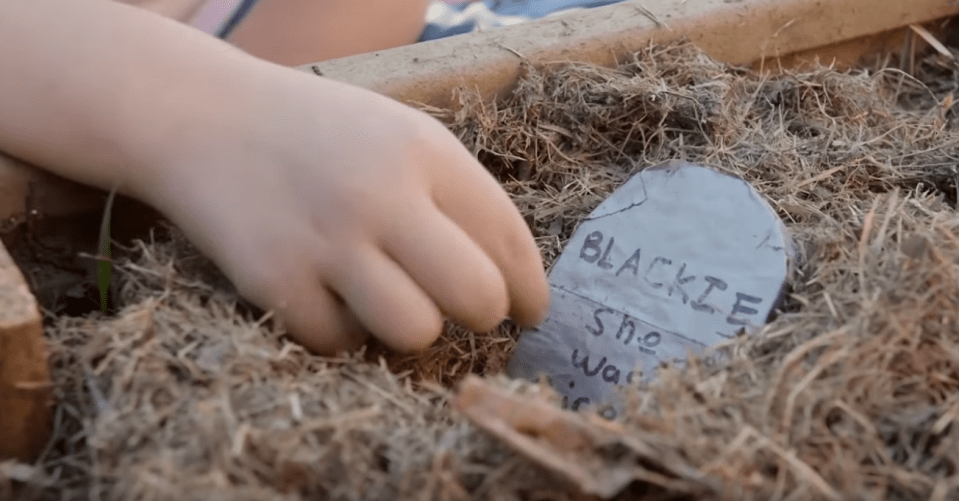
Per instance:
(604,262)
(622,327)
(584,363)
(680,280)
(630,264)
(739,308)
(714,283)
(657,260)
(652,339)
(598,330)
(591,247)
(611,374)
(579,402)
(626,332)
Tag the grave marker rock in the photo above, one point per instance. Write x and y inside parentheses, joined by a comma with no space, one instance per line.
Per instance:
(677,260)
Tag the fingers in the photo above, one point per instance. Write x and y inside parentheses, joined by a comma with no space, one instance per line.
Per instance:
(321,322)
(290,286)
(475,201)
(388,302)
(449,266)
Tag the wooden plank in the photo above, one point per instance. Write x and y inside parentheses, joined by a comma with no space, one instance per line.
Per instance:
(24,375)
(739,32)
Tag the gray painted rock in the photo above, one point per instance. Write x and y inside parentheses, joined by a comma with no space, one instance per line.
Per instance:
(677,260)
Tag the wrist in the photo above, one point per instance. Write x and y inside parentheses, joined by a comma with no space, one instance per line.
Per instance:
(131,88)
(185,121)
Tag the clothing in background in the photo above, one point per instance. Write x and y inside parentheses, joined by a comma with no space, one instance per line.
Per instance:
(444,19)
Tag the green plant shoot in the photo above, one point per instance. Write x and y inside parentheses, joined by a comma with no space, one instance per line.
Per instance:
(104,261)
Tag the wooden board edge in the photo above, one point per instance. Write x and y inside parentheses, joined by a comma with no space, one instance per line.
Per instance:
(735,32)
(25,411)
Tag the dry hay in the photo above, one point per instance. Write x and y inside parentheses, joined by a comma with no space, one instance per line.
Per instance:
(849,393)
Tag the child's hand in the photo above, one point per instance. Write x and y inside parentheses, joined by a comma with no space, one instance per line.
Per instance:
(335,206)
(349,213)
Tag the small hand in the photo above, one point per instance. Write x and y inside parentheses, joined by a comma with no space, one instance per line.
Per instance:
(349,213)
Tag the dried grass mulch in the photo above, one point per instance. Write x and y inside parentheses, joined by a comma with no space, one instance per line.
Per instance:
(851,392)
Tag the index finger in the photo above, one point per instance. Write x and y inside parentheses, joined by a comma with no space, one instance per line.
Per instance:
(474,200)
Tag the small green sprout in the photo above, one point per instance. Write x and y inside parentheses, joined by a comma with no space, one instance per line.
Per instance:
(104,261)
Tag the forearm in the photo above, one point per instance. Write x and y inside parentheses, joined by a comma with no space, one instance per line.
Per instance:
(98,91)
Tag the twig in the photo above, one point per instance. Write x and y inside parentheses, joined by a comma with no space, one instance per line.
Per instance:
(820,177)
(931,40)
(514,51)
(653,17)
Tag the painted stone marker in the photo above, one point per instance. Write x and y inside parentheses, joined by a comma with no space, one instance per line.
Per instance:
(677,260)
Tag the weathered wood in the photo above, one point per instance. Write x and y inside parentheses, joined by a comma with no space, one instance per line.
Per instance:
(24,187)
(24,375)
(739,32)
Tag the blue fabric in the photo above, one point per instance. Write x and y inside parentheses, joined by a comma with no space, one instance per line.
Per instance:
(445,20)
(241,11)
(539,8)
(448,20)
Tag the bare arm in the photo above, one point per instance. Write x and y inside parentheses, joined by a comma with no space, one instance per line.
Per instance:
(99,91)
